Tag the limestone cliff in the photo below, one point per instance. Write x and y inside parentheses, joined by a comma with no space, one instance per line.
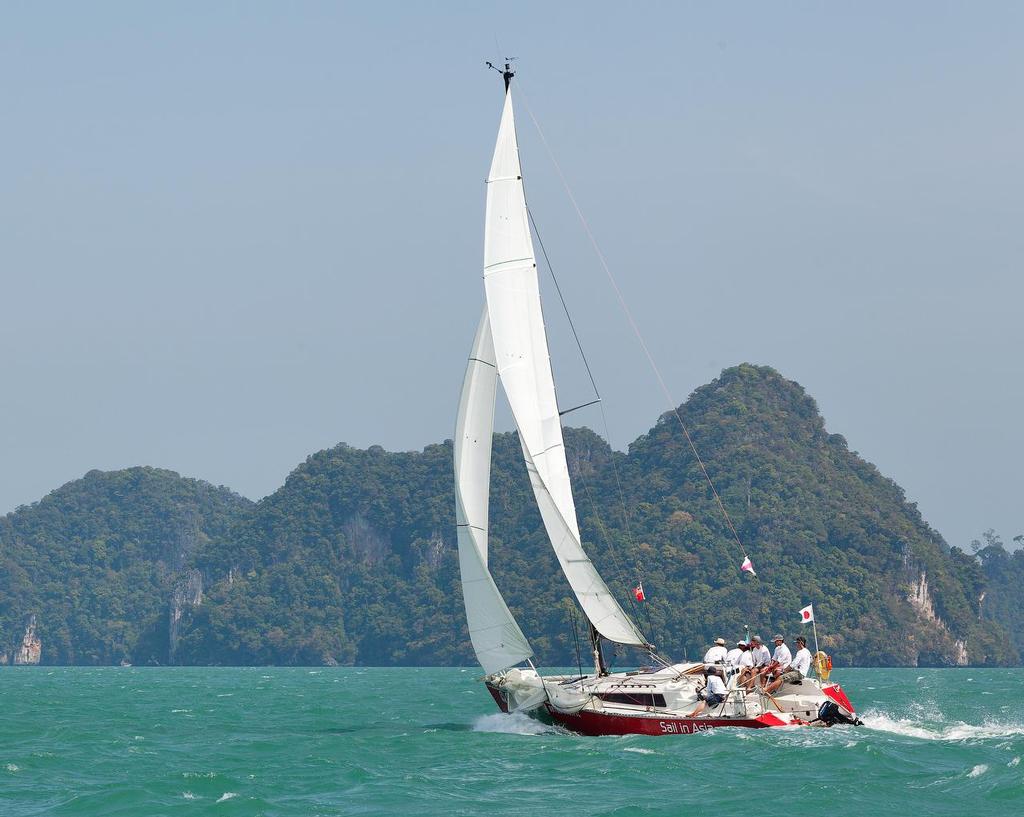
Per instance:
(31,648)
(188,592)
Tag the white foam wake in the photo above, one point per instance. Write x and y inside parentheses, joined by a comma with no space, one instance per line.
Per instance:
(515,723)
(952,732)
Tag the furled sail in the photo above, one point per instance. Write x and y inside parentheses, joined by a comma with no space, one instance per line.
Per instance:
(496,637)
(520,344)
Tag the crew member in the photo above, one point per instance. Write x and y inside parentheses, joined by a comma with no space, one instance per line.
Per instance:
(797,670)
(760,658)
(713,694)
(733,658)
(717,654)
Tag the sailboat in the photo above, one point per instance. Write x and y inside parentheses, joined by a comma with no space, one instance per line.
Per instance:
(511,347)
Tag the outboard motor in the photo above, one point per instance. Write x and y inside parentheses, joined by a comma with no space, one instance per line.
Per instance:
(830,713)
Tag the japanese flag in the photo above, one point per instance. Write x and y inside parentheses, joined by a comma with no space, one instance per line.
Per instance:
(748,566)
(638,591)
(807,614)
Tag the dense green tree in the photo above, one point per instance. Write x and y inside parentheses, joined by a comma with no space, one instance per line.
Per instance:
(354,560)
(96,562)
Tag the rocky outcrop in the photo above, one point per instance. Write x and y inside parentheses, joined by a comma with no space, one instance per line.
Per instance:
(921,599)
(188,592)
(368,544)
(31,649)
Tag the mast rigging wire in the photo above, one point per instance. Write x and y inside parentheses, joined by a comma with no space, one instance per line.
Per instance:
(633,325)
(637,561)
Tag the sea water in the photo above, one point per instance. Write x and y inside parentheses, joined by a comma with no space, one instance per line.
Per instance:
(406,741)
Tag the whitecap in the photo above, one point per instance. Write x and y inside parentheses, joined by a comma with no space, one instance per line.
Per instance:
(1013,762)
(188,795)
(181,710)
(978,770)
(638,750)
(226,695)
(11,767)
(512,724)
(953,732)
(227,796)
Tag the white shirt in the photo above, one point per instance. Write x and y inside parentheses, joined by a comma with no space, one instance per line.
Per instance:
(733,658)
(715,686)
(782,655)
(746,659)
(760,656)
(802,662)
(715,655)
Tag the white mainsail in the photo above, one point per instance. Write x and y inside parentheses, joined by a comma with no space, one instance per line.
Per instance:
(520,344)
(496,637)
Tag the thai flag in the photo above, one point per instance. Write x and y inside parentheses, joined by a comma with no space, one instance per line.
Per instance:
(638,591)
(748,566)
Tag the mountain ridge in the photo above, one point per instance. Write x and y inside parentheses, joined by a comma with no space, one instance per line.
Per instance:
(353,558)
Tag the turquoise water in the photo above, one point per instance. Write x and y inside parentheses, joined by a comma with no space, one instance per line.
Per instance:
(350,741)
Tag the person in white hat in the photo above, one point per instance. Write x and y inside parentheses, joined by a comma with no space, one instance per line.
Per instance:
(760,657)
(739,656)
(717,654)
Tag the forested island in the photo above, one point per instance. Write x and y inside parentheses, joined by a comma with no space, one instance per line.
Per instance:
(353,560)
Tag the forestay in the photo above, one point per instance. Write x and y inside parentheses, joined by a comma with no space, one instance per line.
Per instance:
(496,637)
(520,343)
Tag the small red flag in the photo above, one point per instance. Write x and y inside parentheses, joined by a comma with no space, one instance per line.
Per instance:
(638,591)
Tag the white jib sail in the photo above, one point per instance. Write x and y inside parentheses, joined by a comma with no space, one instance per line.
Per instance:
(520,343)
(496,637)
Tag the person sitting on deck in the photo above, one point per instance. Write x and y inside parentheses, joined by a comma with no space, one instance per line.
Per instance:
(781,659)
(715,658)
(759,658)
(797,669)
(714,693)
(735,655)
(717,654)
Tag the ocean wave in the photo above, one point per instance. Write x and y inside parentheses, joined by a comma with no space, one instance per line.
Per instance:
(639,751)
(978,770)
(958,731)
(227,796)
(515,723)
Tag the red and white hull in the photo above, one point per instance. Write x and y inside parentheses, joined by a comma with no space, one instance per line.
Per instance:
(604,723)
(660,702)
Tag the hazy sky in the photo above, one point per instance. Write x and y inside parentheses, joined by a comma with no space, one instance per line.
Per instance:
(234,234)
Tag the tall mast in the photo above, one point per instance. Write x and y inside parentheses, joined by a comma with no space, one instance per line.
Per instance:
(523,366)
(507,74)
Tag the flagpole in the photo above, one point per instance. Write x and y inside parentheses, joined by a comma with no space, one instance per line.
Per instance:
(814,627)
